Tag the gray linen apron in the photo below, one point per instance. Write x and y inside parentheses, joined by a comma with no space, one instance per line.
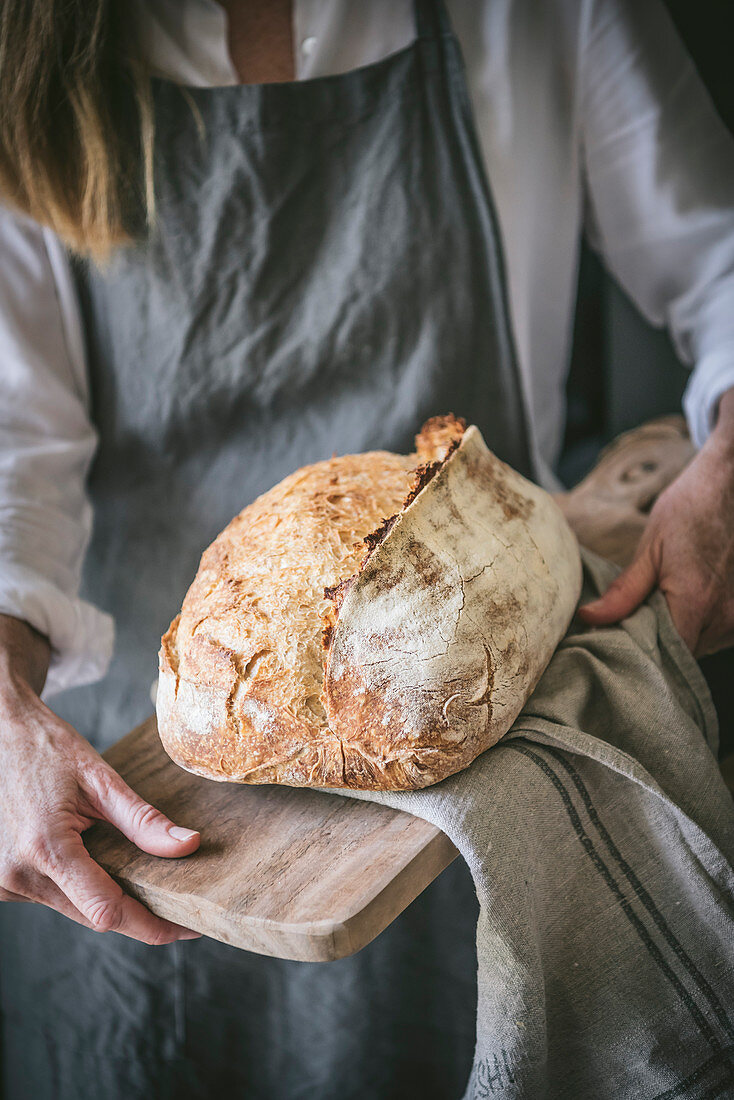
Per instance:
(325,273)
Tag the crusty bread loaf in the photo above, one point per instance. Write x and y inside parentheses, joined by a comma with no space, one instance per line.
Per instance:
(374,621)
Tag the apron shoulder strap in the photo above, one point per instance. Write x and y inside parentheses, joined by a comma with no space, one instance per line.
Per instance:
(431,19)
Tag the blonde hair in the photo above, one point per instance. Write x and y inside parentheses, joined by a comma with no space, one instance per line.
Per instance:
(76,120)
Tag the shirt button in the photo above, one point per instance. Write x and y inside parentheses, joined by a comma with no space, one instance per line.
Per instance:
(308,46)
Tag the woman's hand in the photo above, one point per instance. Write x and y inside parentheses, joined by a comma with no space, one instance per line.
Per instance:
(53,785)
(687,549)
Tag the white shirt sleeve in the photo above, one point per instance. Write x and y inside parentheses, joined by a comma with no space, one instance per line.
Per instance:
(46,445)
(660,188)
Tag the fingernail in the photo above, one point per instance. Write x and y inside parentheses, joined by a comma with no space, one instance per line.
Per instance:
(189,935)
(181,834)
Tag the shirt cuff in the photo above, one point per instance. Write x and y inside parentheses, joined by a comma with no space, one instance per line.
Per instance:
(712,377)
(82,637)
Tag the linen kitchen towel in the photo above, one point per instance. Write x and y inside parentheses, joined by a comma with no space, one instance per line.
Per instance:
(600,837)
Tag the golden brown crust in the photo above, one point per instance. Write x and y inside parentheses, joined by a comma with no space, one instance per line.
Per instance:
(328,638)
(438,437)
(242,665)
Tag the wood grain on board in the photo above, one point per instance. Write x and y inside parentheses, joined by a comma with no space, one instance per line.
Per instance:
(281,871)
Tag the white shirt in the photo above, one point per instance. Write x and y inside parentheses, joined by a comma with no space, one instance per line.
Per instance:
(588,112)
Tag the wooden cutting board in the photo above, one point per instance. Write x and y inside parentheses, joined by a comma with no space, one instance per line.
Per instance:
(281,871)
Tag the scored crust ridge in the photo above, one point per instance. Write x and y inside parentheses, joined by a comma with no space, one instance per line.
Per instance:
(374,621)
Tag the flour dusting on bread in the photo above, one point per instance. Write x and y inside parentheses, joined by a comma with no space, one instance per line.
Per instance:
(242,692)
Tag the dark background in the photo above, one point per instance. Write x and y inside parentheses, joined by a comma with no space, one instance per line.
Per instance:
(611,340)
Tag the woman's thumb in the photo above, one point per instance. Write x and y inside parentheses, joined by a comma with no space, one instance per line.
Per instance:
(143,824)
(624,595)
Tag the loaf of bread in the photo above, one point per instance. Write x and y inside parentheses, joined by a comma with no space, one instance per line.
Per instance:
(374,621)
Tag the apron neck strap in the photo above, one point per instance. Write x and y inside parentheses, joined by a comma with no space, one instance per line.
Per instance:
(431,19)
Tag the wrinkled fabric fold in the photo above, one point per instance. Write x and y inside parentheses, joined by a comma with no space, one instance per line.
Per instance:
(600,838)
